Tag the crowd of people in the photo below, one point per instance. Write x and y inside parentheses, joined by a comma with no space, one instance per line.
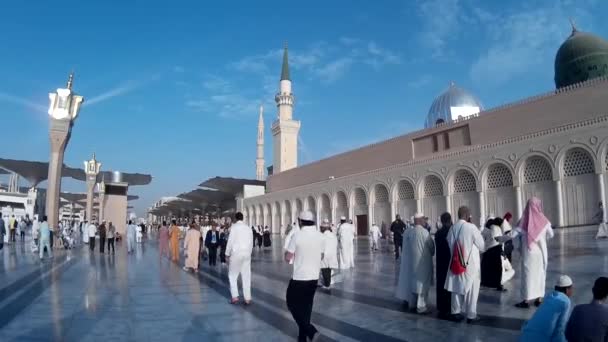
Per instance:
(458,257)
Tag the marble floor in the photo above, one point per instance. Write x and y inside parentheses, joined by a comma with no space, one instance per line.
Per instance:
(78,296)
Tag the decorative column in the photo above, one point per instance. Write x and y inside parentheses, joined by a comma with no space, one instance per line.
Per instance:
(518,200)
(334,214)
(418,205)
(371,217)
(482,206)
(600,182)
(101,189)
(63,111)
(448,204)
(393,211)
(560,202)
(91,168)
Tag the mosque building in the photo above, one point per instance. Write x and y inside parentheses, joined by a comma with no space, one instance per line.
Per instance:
(553,146)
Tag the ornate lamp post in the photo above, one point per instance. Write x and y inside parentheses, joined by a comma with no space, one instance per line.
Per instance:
(63,110)
(91,168)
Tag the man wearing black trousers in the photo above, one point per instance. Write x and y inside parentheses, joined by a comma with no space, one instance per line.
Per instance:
(212,241)
(306,251)
(398,228)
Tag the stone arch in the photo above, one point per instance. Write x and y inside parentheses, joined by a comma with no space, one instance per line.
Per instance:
(311,205)
(268,215)
(498,183)
(433,196)
(342,206)
(299,206)
(260,218)
(247,214)
(325,203)
(581,150)
(404,195)
(580,188)
(522,162)
(463,187)
(277,226)
(471,178)
(537,179)
(381,204)
(360,209)
(287,217)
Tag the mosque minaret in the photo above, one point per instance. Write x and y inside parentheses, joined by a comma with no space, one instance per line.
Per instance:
(259,161)
(285,130)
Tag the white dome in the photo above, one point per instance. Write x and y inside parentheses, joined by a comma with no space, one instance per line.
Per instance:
(453,103)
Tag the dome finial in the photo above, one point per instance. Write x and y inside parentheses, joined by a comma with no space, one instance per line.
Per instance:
(573,24)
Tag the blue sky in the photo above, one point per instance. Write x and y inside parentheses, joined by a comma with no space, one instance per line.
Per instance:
(172,88)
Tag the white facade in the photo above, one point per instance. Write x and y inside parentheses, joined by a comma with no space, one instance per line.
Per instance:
(566,167)
(18,204)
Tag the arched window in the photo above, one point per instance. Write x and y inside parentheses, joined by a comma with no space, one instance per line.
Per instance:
(577,162)
(433,186)
(406,190)
(537,169)
(499,176)
(464,181)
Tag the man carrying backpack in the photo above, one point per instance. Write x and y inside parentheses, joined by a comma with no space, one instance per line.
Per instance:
(464,273)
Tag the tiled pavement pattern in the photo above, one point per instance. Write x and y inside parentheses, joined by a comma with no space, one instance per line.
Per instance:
(79,296)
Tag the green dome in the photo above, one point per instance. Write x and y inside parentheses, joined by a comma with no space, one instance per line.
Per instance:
(581,57)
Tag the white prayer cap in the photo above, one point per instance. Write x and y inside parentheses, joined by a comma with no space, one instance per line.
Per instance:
(564,281)
(306,215)
(418,216)
(325,224)
(343,218)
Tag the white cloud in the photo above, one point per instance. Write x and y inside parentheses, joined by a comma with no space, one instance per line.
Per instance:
(523,42)
(321,61)
(119,90)
(420,82)
(441,19)
(215,83)
(21,101)
(349,41)
(334,70)
(379,56)
(327,62)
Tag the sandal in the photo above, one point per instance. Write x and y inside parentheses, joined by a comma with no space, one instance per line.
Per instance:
(234,301)
(523,305)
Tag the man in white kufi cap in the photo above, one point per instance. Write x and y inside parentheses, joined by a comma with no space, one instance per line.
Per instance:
(306,250)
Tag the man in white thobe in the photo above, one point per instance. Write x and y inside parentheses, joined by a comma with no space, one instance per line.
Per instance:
(346,236)
(329,263)
(465,286)
(238,255)
(92,232)
(375,234)
(418,251)
(530,237)
(131,236)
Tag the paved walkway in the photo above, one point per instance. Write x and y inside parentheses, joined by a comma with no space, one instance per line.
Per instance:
(79,296)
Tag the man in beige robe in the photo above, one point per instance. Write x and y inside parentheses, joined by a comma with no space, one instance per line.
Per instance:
(192,243)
